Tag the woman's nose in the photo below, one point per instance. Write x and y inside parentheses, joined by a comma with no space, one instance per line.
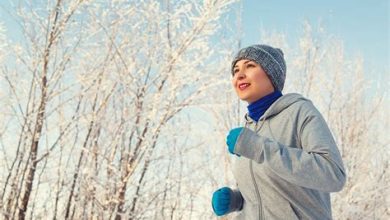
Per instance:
(240,75)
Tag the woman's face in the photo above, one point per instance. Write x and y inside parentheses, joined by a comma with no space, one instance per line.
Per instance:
(250,81)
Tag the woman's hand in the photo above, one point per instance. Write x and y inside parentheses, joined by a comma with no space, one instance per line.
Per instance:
(221,201)
(231,139)
(226,200)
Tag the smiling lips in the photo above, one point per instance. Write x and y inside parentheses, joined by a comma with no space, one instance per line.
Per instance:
(243,86)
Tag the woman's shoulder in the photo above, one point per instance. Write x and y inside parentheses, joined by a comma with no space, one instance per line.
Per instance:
(293,100)
(300,104)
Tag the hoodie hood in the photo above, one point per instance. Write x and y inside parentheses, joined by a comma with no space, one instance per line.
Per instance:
(279,105)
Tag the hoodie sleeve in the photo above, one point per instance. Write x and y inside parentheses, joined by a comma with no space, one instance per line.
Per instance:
(236,202)
(316,164)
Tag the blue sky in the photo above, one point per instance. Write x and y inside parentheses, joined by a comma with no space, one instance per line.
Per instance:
(363,25)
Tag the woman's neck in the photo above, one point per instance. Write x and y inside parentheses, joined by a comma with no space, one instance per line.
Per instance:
(256,109)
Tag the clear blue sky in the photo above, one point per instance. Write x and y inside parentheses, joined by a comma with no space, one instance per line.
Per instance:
(363,25)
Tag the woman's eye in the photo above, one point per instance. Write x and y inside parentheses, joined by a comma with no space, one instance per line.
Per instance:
(250,65)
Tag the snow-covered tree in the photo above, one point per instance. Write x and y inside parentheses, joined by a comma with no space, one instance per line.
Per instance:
(96,93)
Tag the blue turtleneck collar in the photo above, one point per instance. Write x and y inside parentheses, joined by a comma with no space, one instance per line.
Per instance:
(257,108)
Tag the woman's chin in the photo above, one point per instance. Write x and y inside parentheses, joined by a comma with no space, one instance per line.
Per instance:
(245,98)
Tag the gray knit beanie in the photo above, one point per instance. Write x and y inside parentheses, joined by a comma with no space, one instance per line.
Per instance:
(269,58)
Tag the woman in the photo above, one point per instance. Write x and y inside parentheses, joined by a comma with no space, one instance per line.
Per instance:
(288,162)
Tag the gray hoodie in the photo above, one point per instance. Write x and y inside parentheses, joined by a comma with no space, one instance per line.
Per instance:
(289,163)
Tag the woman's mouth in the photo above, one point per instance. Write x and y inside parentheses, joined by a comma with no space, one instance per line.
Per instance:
(243,86)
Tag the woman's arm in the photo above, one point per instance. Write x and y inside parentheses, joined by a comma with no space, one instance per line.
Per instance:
(317,165)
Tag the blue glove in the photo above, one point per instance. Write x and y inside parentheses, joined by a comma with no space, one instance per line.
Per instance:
(221,201)
(226,200)
(232,139)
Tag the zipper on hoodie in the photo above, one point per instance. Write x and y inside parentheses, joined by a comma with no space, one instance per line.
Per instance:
(262,118)
(260,211)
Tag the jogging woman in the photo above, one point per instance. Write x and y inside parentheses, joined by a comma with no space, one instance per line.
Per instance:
(288,162)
